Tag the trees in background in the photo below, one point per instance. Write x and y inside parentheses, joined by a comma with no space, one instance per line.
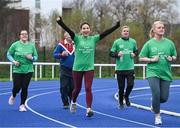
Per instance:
(102,14)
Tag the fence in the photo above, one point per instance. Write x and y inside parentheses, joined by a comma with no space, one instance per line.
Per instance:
(41,64)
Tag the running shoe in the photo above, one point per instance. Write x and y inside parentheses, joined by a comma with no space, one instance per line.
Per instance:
(121,105)
(158,120)
(65,106)
(72,107)
(11,100)
(22,108)
(128,103)
(89,112)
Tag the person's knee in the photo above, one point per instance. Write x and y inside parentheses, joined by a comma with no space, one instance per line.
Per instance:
(88,89)
(163,100)
(130,83)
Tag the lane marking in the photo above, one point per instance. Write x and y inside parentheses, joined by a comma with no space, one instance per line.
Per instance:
(104,114)
(46,117)
(149,108)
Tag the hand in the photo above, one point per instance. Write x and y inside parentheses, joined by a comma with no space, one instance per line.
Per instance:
(169,58)
(16,63)
(133,55)
(120,54)
(155,59)
(64,53)
(29,56)
(118,23)
(174,58)
(59,19)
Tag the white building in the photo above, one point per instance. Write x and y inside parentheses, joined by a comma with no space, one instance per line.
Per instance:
(45,7)
(39,9)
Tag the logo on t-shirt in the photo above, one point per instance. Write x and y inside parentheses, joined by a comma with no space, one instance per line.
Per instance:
(154,49)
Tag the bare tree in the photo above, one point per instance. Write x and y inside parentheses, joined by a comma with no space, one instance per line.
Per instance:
(50,33)
(82,4)
(122,9)
(150,10)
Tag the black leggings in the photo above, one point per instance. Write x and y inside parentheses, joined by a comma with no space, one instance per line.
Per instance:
(121,77)
(21,82)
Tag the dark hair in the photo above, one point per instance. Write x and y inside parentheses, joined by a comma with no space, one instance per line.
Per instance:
(22,30)
(85,22)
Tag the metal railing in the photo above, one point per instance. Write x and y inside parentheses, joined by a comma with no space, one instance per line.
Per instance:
(41,64)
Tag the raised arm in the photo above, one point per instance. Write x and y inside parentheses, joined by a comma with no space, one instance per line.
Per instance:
(61,23)
(110,30)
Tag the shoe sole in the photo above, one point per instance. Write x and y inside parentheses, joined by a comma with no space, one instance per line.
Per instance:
(22,110)
(158,123)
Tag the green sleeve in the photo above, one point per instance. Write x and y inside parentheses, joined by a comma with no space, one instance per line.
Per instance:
(75,38)
(144,51)
(96,38)
(113,49)
(173,50)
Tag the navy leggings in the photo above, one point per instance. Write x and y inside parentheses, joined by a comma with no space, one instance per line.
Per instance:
(88,79)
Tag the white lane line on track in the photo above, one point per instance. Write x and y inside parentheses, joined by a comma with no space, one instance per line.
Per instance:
(59,122)
(115,117)
(104,114)
(149,108)
(5,93)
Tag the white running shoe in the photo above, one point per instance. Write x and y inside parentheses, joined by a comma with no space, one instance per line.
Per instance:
(158,120)
(11,100)
(89,112)
(22,108)
(65,106)
(72,107)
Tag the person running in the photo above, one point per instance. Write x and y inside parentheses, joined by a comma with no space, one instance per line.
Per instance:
(84,61)
(65,52)
(159,52)
(22,54)
(124,50)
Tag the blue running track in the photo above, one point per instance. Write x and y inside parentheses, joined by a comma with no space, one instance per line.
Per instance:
(45,107)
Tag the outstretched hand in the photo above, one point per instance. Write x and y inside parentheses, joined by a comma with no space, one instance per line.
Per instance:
(118,23)
(59,19)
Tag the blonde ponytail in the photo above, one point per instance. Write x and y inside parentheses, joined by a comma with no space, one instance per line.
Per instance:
(151,33)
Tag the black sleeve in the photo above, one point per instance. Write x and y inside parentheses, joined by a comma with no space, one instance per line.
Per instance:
(136,52)
(71,33)
(110,30)
(113,54)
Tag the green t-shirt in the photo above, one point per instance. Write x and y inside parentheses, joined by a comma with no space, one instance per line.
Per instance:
(84,52)
(162,48)
(18,50)
(126,62)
